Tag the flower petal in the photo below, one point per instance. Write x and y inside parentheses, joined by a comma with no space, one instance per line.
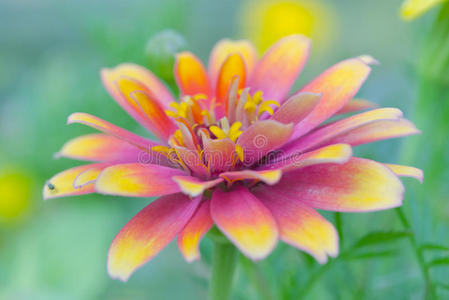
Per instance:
(191,76)
(151,114)
(189,238)
(219,154)
(407,171)
(138,180)
(328,133)
(193,186)
(245,221)
(140,103)
(356,105)
(263,137)
(267,176)
(88,176)
(150,82)
(62,184)
(147,233)
(296,108)
(338,85)
(278,69)
(301,226)
(100,147)
(111,129)
(233,66)
(226,47)
(356,186)
(376,131)
(336,153)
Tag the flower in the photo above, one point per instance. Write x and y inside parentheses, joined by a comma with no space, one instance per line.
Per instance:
(411,9)
(237,151)
(266,21)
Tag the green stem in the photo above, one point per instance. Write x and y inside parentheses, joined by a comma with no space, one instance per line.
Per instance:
(429,292)
(258,279)
(339,226)
(314,278)
(223,267)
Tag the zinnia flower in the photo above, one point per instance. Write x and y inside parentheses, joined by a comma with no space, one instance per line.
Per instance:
(412,9)
(237,151)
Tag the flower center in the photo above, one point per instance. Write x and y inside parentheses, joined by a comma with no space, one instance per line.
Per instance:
(201,121)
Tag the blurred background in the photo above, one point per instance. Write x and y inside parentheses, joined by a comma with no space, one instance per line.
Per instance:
(50,56)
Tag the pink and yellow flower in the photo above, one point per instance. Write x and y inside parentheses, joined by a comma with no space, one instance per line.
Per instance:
(238,151)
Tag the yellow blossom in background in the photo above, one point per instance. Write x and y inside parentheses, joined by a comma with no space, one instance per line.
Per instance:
(15,194)
(266,21)
(411,9)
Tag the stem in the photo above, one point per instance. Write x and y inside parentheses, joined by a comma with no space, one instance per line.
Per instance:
(223,266)
(429,292)
(339,226)
(314,278)
(257,277)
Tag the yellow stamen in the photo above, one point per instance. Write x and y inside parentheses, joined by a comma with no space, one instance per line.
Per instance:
(218,132)
(257,97)
(161,149)
(240,152)
(265,107)
(234,131)
(179,138)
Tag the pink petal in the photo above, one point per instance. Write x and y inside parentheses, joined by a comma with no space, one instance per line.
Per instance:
(337,85)
(356,186)
(261,138)
(301,226)
(149,81)
(296,108)
(107,148)
(138,180)
(219,154)
(111,129)
(336,153)
(356,105)
(266,176)
(189,238)
(245,221)
(142,105)
(193,186)
(376,131)
(147,233)
(278,69)
(329,132)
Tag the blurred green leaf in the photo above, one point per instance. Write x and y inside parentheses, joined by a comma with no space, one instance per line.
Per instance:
(433,247)
(369,255)
(380,237)
(437,262)
(444,286)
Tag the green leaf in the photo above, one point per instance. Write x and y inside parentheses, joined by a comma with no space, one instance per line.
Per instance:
(380,237)
(434,247)
(369,255)
(442,261)
(444,286)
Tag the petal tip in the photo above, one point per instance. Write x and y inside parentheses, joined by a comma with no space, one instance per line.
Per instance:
(369,60)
